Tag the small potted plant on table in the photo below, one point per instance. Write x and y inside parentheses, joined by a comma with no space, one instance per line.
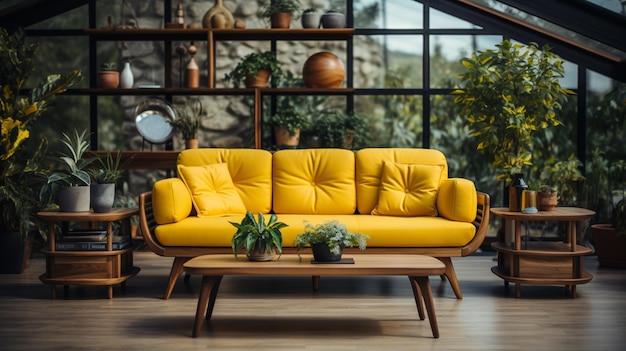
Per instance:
(255,70)
(328,239)
(261,241)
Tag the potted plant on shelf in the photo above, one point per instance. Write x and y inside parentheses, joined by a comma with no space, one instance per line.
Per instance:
(340,129)
(261,241)
(310,18)
(255,70)
(328,239)
(287,125)
(21,173)
(108,76)
(104,176)
(280,12)
(188,122)
(71,185)
(333,19)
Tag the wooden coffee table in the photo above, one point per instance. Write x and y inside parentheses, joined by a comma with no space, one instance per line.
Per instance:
(417,267)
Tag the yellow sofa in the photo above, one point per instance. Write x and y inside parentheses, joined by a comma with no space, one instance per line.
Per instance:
(401,198)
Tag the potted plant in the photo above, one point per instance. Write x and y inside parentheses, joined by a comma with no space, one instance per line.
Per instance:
(328,239)
(547,198)
(340,129)
(255,70)
(188,122)
(287,125)
(507,96)
(333,19)
(261,241)
(108,76)
(21,173)
(310,18)
(71,185)
(104,176)
(280,12)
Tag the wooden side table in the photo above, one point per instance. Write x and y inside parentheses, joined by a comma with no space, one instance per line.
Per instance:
(545,263)
(108,267)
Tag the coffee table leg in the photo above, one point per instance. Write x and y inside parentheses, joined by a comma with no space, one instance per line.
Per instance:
(215,285)
(208,288)
(417,294)
(424,285)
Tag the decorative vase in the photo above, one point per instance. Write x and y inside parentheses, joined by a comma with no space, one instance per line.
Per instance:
(333,20)
(610,248)
(192,74)
(547,201)
(284,139)
(529,201)
(73,198)
(102,197)
(261,256)
(280,20)
(224,18)
(258,81)
(515,192)
(126,77)
(311,20)
(321,253)
(108,79)
(323,70)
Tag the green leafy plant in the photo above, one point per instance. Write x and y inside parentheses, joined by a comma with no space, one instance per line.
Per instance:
(188,121)
(309,10)
(281,6)
(507,96)
(255,235)
(251,64)
(290,119)
(21,174)
(332,233)
(74,165)
(109,169)
(335,128)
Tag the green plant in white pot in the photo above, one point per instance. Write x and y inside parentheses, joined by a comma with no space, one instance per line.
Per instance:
(71,184)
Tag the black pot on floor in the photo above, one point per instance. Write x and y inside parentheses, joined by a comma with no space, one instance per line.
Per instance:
(11,253)
(321,253)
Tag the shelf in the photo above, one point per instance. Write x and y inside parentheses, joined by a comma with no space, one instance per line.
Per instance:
(543,249)
(88,281)
(163,160)
(215,91)
(551,279)
(258,34)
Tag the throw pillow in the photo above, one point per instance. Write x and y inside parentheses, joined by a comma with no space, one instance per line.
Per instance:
(212,190)
(408,190)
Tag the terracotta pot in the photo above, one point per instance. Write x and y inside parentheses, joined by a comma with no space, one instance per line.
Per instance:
(108,79)
(546,201)
(323,70)
(280,20)
(191,143)
(283,138)
(610,248)
(258,81)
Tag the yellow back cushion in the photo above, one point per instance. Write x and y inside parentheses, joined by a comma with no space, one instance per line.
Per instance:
(408,190)
(250,170)
(314,181)
(369,165)
(171,201)
(212,190)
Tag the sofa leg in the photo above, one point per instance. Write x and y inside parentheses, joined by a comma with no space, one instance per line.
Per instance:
(177,271)
(316,282)
(451,275)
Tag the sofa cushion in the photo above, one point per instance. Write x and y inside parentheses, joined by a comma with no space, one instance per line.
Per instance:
(212,190)
(171,201)
(369,164)
(250,170)
(408,190)
(457,199)
(314,181)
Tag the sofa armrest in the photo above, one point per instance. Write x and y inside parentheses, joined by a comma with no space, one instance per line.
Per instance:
(456,200)
(481,222)
(147,224)
(171,201)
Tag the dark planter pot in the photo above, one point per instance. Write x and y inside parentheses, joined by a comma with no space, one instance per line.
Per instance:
(12,249)
(321,253)
(102,197)
(74,198)
(610,248)
(333,20)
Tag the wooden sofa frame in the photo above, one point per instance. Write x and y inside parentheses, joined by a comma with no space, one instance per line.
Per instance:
(147,224)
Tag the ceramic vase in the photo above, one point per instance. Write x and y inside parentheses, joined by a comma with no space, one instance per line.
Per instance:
(126,77)
(218,16)
(323,70)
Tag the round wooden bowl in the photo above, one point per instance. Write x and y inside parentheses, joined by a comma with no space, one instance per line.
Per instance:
(323,70)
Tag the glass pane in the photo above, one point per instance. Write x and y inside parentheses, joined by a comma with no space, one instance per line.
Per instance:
(374,56)
(73,19)
(388,14)
(441,20)
(48,59)
(446,52)
(111,121)
(396,119)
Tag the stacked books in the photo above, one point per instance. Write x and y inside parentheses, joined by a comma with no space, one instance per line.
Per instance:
(89,240)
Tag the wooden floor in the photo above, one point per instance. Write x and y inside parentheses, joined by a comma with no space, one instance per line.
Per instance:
(376,313)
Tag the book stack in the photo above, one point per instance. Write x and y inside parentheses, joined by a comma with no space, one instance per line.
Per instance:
(89,240)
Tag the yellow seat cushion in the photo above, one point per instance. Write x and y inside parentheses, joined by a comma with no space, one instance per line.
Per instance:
(212,190)
(408,190)
(171,201)
(314,181)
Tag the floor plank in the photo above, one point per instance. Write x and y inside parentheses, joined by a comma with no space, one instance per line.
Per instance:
(278,313)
